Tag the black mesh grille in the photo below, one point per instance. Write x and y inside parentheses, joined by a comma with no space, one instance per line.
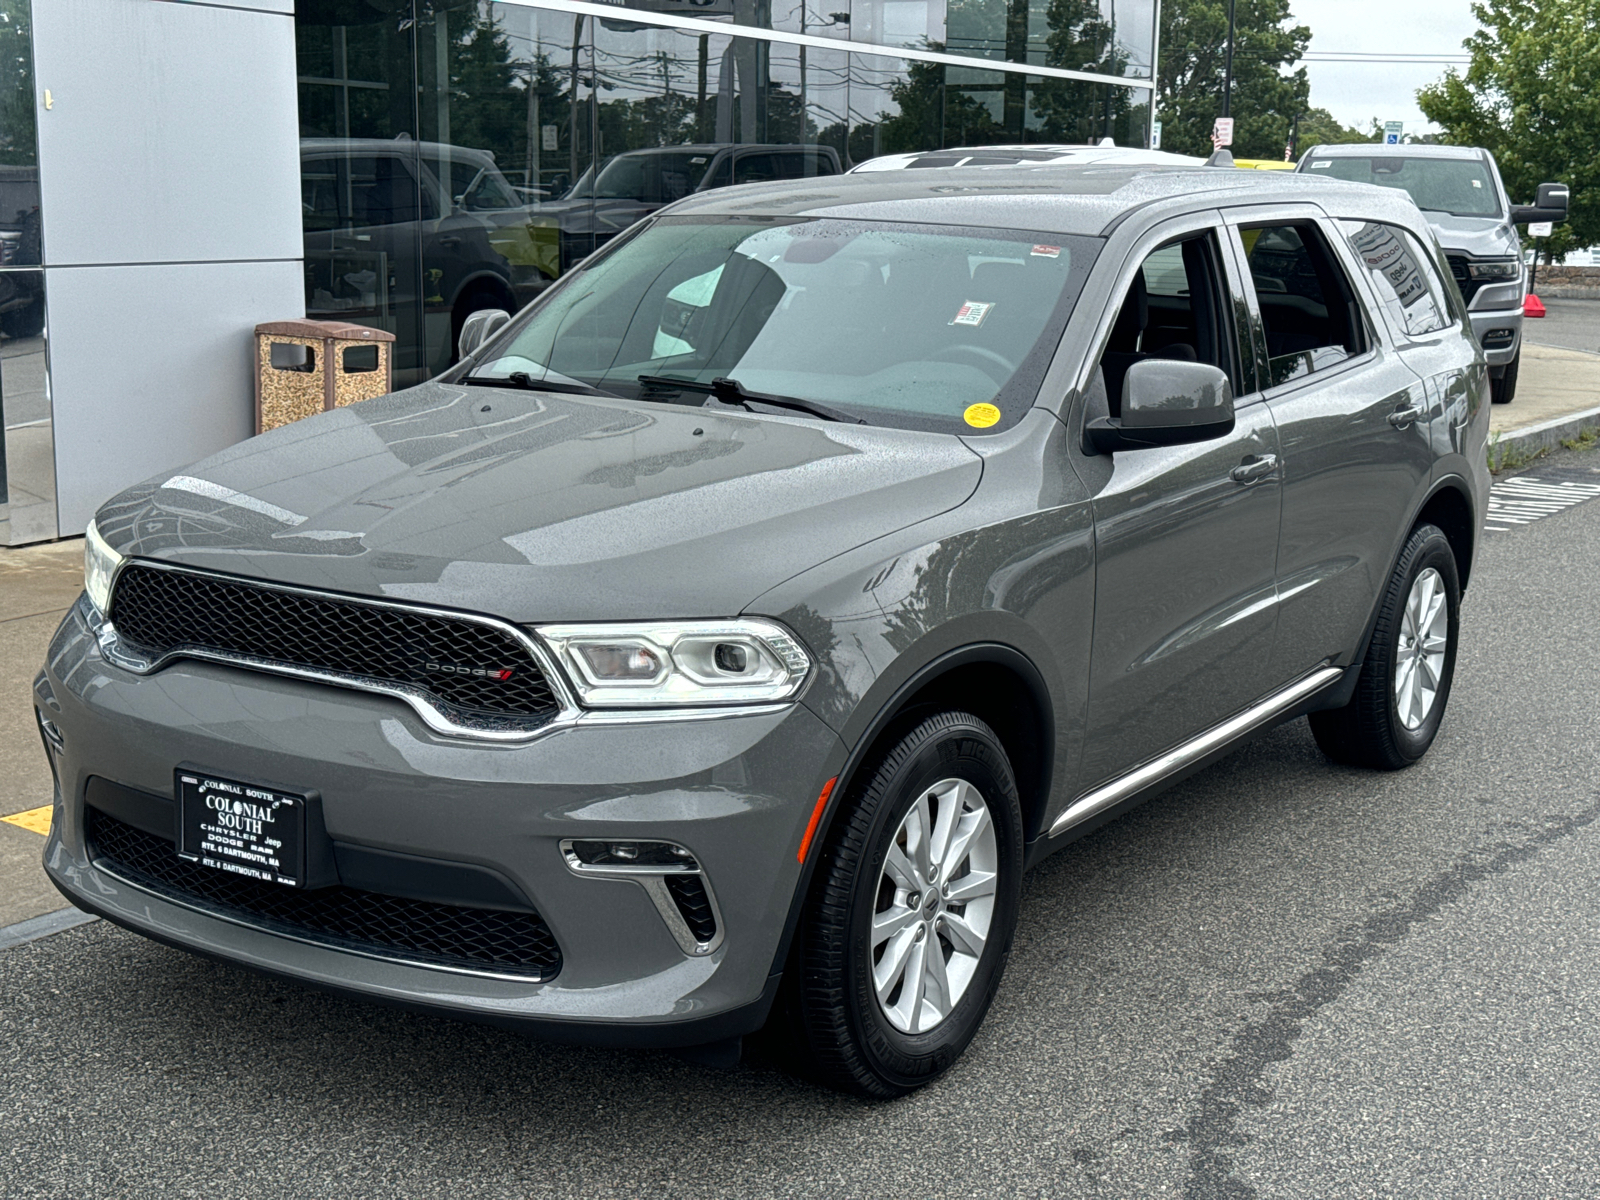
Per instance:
(468,668)
(1463,277)
(689,893)
(480,939)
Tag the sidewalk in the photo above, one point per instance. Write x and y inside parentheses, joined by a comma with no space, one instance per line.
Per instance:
(1557,397)
(37,585)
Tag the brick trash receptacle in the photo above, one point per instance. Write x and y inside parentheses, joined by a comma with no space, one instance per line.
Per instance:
(307,367)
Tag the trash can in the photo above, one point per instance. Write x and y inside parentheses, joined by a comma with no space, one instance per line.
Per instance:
(307,367)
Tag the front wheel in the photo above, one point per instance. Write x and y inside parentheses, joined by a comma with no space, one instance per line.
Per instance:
(1504,389)
(1405,678)
(908,929)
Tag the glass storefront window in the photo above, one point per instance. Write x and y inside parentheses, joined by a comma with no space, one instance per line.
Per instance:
(27,454)
(459,155)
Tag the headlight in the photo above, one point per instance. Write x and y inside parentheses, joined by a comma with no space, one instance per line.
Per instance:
(1507,269)
(655,664)
(100,563)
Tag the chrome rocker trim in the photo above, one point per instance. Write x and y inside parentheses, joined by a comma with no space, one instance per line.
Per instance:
(1194,749)
(568,714)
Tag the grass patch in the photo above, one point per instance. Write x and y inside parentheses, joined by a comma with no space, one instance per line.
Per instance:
(1586,439)
(1508,458)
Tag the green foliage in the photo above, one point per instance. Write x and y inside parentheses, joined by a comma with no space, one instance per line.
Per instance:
(1531,96)
(17,115)
(1319,128)
(1194,36)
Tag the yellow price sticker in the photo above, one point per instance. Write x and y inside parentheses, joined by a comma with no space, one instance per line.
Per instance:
(981,416)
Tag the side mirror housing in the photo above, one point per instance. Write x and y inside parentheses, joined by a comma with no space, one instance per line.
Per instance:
(1166,402)
(1550,204)
(478,328)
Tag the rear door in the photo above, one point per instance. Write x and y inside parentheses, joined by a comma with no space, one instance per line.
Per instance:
(1186,536)
(1353,424)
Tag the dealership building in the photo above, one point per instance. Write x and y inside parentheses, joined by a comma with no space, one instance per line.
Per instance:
(174,172)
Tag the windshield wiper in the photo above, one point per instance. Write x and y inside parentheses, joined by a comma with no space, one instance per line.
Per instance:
(731,391)
(526,382)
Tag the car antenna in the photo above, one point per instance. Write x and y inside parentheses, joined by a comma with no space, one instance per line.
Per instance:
(1220,158)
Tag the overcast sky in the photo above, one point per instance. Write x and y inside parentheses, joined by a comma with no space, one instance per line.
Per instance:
(1355,92)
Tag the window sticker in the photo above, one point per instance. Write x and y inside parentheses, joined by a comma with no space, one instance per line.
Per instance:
(1321,166)
(1477,183)
(981,416)
(1046,252)
(972,313)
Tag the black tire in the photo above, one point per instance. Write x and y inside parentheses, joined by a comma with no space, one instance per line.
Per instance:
(1504,389)
(849,1042)
(1369,731)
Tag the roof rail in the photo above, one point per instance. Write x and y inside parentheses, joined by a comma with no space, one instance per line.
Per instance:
(1220,158)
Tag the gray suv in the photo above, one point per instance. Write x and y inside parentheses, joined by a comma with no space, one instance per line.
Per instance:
(1459,190)
(716,646)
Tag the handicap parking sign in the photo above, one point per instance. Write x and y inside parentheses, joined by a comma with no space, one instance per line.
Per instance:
(1391,132)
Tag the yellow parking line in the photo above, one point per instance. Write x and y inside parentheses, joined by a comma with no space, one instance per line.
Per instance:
(37,820)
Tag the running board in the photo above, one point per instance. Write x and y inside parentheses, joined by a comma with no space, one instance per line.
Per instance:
(1192,751)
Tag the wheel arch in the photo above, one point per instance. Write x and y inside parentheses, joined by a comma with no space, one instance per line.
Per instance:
(993,681)
(1450,508)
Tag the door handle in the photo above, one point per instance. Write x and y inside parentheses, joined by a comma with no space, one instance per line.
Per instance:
(1257,466)
(1402,417)
(450,241)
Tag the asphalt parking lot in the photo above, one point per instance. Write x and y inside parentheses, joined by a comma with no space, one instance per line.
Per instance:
(1280,979)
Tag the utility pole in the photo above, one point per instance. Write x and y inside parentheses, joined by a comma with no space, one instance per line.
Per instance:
(1227,68)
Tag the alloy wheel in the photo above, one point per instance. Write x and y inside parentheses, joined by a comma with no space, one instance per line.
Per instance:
(1424,637)
(935,903)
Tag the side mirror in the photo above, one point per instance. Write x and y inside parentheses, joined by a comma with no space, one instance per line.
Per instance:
(1166,402)
(478,328)
(1549,205)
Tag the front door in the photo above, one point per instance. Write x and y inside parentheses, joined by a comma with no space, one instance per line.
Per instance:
(1185,537)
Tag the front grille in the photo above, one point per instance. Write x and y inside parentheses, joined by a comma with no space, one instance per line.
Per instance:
(441,935)
(689,894)
(1467,285)
(468,668)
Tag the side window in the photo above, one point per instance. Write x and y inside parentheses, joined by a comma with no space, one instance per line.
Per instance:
(722,174)
(1176,308)
(754,168)
(1309,310)
(1403,276)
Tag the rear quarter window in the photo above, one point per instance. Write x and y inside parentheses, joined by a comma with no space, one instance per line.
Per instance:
(1403,275)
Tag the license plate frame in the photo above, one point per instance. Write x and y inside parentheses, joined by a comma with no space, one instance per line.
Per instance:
(253,830)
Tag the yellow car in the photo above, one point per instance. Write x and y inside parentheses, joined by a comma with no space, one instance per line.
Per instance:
(1263,164)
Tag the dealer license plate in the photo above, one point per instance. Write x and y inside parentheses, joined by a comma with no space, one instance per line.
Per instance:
(244,828)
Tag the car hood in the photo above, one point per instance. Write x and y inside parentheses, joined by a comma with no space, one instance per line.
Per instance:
(1481,237)
(541,507)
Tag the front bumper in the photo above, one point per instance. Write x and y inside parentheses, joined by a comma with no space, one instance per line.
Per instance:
(736,791)
(1490,329)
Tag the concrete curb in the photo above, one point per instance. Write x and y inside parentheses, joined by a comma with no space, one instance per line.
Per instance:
(1545,435)
(38,927)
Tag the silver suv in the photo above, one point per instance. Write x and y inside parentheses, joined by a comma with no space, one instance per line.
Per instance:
(1458,189)
(717,645)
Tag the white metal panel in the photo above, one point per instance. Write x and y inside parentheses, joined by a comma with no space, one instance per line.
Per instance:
(151,368)
(172,133)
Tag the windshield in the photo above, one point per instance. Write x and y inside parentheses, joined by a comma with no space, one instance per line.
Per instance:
(1461,187)
(654,177)
(923,327)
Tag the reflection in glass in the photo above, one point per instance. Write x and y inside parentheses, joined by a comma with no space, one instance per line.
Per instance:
(888,323)
(460,155)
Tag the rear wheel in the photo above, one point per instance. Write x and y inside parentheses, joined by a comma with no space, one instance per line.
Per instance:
(1405,678)
(1504,389)
(911,919)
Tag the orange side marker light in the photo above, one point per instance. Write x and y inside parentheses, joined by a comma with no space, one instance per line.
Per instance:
(816,818)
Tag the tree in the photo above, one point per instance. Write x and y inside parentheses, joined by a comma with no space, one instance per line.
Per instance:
(1266,99)
(1529,97)
(17,139)
(1319,127)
